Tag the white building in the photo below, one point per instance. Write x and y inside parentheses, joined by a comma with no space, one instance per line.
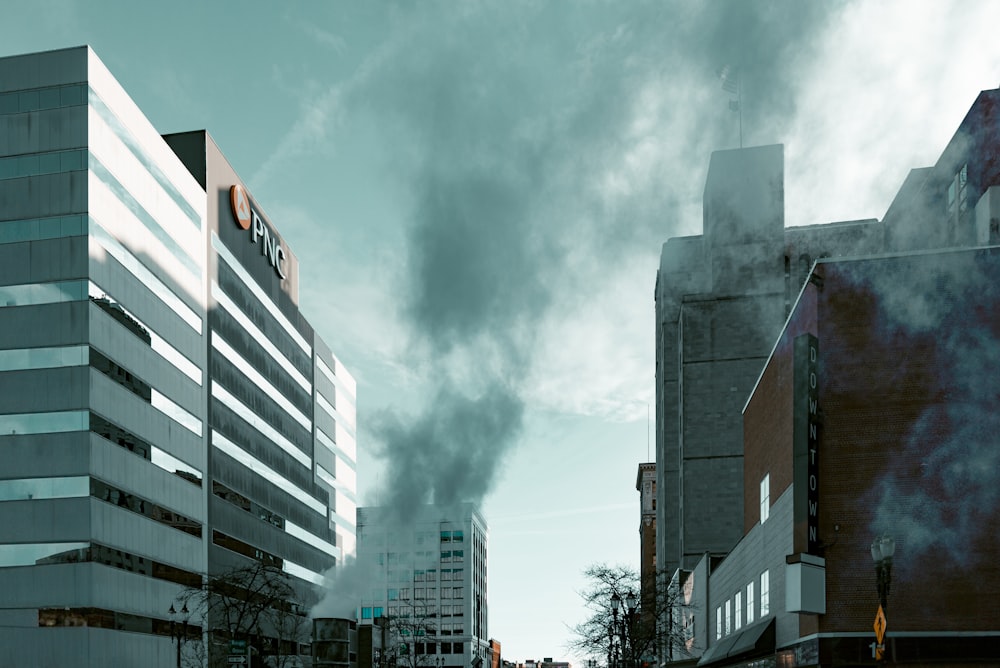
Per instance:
(428,576)
(166,411)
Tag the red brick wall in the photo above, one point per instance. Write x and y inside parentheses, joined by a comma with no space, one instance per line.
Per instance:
(902,346)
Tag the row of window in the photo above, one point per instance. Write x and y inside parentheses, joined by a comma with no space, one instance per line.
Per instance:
(226,446)
(145,160)
(109,197)
(67,291)
(39,229)
(725,620)
(39,554)
(37,99)
(37,164)
(126,439)
(421,593)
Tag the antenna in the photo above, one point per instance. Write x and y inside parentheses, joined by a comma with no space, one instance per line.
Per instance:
(647,431)
(732,82)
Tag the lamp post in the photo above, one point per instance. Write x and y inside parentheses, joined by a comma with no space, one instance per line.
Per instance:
(622,631)
(883,548)
(178,631)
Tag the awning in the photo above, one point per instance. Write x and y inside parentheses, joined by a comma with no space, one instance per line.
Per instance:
(756,640)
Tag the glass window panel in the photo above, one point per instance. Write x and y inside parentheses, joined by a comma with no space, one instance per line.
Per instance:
(27,165)
(28,100)
(48,163)
(176,413)
(71,95)
(29,554)
(326,476)
(302,572)
(171,464)
(43,358)
(44,488)
(8,103)
(44,423)
(48,98)
(71,160)
(315,541)
(41,293)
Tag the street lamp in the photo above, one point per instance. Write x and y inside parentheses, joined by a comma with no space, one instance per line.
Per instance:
(178,631)
(883,548)
(621,632)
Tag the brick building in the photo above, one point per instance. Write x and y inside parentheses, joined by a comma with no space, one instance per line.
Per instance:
(723,296)
(874,415)
(724,462)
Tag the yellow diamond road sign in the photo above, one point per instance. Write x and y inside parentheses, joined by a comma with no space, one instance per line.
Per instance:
(879,625)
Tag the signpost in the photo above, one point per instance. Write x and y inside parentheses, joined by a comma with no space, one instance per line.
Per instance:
(239,653)
(878,648)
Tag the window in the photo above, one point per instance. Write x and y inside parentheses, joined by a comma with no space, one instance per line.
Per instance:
(738,604)
(458,555)
(765,601)
(765,498)
(729,618)
(718,623)
(750,603)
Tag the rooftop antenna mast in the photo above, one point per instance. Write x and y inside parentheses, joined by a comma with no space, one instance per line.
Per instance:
(733,83)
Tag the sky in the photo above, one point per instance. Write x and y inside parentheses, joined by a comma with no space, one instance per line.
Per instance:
(477,193)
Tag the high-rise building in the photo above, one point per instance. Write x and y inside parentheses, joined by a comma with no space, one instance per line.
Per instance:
(166,411)
(427,577)
(720,299)
(723,296)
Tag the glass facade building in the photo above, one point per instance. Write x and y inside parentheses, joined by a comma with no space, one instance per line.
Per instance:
(166,411)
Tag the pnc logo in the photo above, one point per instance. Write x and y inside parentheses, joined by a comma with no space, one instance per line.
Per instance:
(241,206)
(248,219)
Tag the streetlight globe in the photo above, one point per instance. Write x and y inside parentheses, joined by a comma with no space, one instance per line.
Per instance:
(630,601)
(616,602)
(888,547)
(876,551)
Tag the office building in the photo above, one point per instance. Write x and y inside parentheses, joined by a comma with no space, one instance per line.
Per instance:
(763,587)
(427,575)
(722,297)
(166,411)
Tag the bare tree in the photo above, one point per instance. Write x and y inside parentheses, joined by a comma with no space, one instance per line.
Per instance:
(256,605)
(408,637)
(618,637)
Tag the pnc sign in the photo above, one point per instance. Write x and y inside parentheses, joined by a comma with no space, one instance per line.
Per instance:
(248,219)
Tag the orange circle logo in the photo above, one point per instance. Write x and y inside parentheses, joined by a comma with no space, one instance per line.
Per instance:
(241,206)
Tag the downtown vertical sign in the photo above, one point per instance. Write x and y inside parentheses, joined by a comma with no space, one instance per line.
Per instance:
(806,451)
